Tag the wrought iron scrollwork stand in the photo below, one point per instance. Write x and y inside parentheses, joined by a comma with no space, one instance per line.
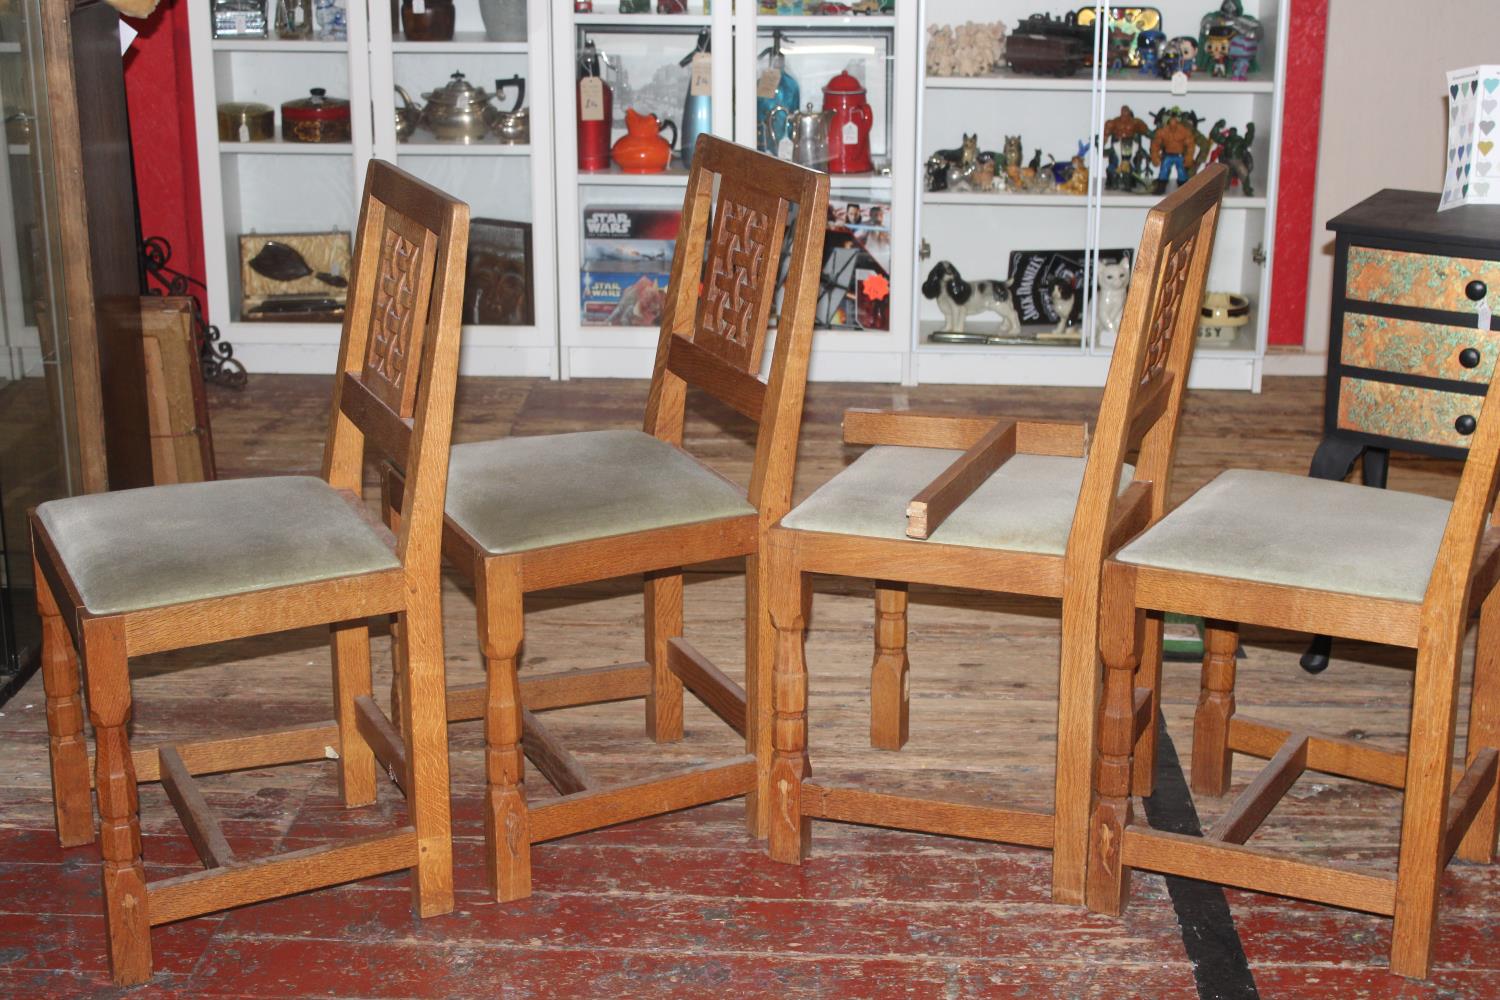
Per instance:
(215,355)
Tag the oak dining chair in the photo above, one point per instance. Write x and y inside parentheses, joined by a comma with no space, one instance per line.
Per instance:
(1335,559)
(125,574)
(527,514)
(1010,506)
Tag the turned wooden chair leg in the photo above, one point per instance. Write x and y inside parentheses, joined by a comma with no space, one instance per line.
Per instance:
(72,801)
(760,646)
(1424,807)
(351,680)
(1213,761)
(1119,627)
(424,727)
(663,624)
(889,682)
(1478,843)
(127,923)
(790,831)
(1148,676)
(507,827)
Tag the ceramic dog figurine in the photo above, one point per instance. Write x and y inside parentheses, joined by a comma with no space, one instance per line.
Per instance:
(960,299)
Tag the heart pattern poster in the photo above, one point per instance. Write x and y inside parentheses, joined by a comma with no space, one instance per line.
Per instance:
(1471,171)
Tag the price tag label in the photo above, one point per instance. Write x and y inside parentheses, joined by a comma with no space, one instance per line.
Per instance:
(703,74)
(769,82)
(850,133)
(419,6)
(1484,316)
(784,148)
(299,15)
(591,93)
(1179,83)
(244,132)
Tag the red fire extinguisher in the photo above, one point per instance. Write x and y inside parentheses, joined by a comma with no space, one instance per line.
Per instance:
(596,111)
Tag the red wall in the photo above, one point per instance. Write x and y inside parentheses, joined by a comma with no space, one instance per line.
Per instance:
(159,87)
(159,91)
(1301,115)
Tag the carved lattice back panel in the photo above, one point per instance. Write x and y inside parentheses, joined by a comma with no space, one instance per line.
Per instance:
(1166,304)
(739,277)
(398,313)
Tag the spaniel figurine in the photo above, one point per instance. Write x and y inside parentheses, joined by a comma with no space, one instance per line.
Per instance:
(959,299)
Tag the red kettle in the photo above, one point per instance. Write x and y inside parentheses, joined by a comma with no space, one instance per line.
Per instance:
(849,131)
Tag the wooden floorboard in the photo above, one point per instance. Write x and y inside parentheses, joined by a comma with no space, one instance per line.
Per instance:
(684,905)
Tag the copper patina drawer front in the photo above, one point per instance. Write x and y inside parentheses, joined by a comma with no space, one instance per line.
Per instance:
(1422,280)
(1406,412)
(1432,349)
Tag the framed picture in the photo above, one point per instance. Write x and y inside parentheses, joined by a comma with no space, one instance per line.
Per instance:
(294,277)
(498,285)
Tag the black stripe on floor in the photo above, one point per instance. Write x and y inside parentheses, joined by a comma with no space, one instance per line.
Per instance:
(1208,933)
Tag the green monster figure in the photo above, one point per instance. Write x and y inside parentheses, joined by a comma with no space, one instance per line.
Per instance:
(1234,153)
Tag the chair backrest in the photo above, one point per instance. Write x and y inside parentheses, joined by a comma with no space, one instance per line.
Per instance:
(714,338)
(1148,373)
(1446,603)
(398,361)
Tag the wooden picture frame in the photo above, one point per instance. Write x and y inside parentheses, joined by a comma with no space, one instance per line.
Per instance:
(499,285)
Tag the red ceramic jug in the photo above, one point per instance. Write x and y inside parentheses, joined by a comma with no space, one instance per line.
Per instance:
(642,150)
(849,132)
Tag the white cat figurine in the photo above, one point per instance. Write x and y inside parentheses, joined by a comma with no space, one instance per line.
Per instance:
(1114,281)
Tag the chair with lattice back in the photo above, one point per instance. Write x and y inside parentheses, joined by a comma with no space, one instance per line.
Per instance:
(126,574)
(1007,506)
(533,513)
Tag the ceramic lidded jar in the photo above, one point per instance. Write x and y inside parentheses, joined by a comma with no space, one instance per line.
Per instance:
(427,20)
(504,20)
(315,118)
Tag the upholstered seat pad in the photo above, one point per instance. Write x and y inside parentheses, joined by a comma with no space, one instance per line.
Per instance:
(521,493)
(147,548)
(1025,506)
(1269,527)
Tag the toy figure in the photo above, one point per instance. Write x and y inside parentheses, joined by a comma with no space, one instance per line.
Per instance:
(1146,50)
(1178,55)
(1114,283)
(946,166)
(1174,147)
(1242,49)
(1123,32)
(1228,22)
(1077,180)
(1234,153)
(1216,49)
(1123,150)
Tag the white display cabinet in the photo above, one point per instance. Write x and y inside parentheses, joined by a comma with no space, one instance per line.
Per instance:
(879,50)
(978,231)
(278,186)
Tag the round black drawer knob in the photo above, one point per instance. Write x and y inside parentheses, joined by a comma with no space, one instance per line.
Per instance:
(1468,357)
(1476,290)
(1465,425)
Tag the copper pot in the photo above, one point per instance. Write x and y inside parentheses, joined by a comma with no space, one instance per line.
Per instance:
(246,121)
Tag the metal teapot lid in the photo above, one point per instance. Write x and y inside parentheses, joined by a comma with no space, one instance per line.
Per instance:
(845,83)
(459,94)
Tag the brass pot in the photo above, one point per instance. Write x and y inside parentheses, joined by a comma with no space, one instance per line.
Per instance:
(242,121)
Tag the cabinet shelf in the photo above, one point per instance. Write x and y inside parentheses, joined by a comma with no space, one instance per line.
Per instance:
(643,22)
(279,147)
(487,148)
(673,176)
(462,41)
(277,45)
(1141,201)
(1117,83)
(813,21)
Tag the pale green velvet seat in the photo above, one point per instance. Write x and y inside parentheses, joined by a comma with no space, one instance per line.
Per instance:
(1269,527)
(521,493)
(148,548)
(1025,506)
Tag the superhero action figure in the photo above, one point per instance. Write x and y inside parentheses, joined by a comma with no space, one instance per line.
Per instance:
(1174,148)
(1234,153)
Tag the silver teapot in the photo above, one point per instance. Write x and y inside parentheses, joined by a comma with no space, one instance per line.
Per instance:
(459,112)
(808,131)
